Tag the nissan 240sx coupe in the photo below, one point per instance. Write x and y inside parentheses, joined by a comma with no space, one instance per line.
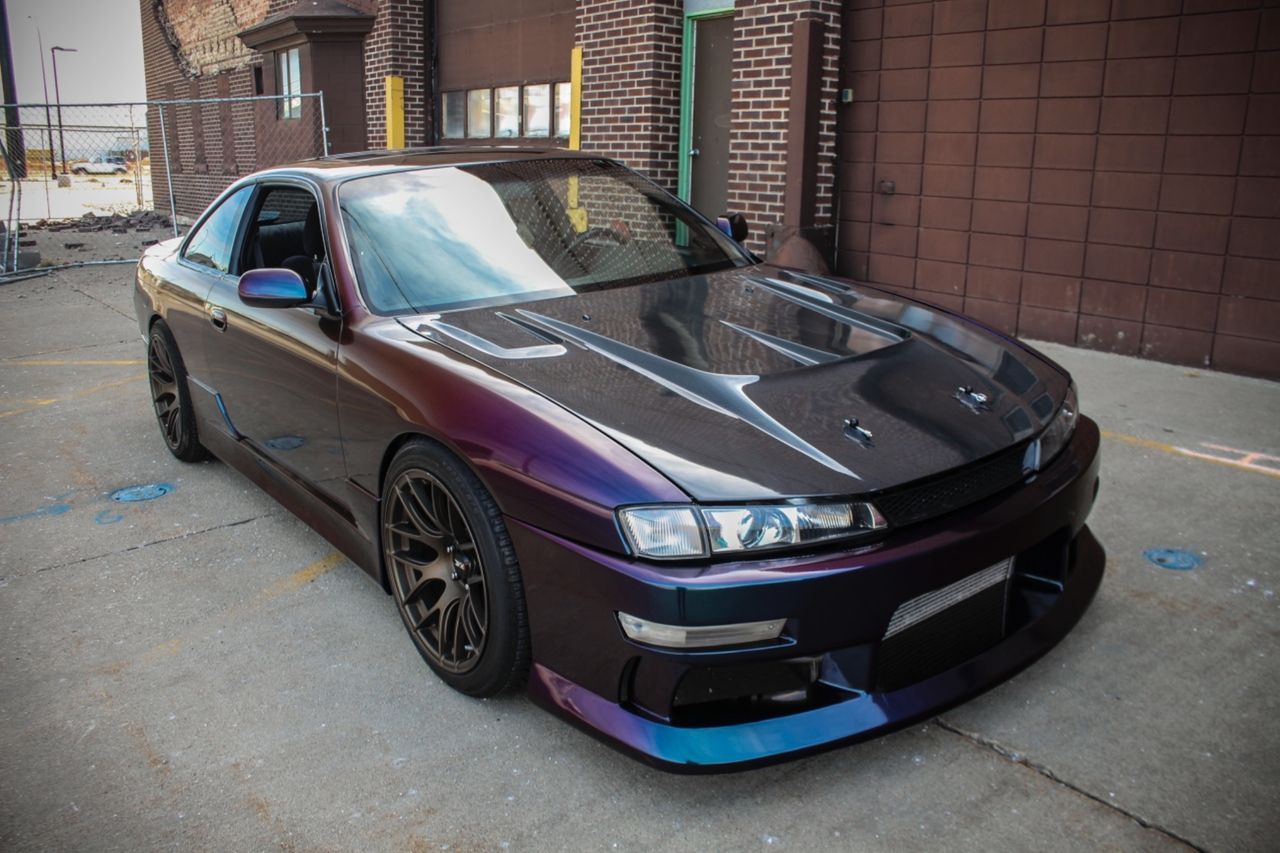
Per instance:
(716,512)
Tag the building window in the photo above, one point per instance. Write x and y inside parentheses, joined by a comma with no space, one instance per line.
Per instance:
(454,110)
(478,105)
(564,109)
(537,110)
(507,111)
(289,83)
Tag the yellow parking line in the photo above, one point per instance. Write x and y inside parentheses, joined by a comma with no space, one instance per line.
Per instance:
(72,362)
(1247,462)
(40,404)
(301,577)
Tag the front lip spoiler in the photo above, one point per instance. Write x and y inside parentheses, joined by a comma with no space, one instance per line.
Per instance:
(716,749)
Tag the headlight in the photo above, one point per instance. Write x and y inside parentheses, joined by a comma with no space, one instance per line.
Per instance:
(1058,433)
(673,532)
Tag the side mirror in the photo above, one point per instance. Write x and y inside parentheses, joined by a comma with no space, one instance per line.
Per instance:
(273,288)
(734,225)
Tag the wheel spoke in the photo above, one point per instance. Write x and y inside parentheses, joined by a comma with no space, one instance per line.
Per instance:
(417,504)
(442,509)
(410,531)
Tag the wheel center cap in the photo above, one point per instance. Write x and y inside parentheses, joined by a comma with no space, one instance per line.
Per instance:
(462,567)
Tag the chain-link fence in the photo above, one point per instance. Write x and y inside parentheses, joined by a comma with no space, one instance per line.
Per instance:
(142,170)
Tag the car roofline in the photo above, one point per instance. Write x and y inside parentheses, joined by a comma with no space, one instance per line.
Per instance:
(441,155)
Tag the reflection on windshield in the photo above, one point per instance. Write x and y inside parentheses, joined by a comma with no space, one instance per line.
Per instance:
(498,233)
(413,253)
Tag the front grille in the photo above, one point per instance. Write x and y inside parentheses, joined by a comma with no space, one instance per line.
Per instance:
(933,632)
(952,491)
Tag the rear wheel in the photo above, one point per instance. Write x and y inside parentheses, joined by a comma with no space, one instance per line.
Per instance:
(171,397)
(453,572)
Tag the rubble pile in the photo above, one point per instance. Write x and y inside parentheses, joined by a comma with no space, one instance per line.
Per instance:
(116,223)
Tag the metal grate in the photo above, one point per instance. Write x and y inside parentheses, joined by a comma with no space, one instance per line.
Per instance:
(943,628)
(952,491)
(922,607)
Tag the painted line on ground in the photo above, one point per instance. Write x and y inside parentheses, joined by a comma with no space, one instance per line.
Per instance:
(72,362)
(1239,460)
(96,389)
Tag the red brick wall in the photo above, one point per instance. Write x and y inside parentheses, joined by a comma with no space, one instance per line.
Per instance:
(631,82)
(1099,173)
(631,96)
(396,47)
(205,157)
(761,106)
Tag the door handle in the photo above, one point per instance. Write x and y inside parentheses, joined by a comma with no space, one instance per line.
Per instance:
(218,318)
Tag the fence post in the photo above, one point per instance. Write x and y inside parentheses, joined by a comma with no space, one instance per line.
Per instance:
(324,128)
(168,172)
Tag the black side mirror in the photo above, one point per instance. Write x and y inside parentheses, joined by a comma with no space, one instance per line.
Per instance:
(733,225)
(273,288)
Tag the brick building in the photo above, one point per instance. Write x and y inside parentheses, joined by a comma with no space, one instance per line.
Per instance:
(1098,172)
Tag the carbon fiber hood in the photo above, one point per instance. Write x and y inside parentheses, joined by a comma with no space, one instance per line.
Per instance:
(759,383)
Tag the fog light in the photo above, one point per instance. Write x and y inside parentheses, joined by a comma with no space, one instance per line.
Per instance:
(698,636)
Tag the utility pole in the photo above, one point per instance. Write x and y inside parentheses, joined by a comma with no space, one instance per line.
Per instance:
(53,55)
(15,147)
(48,120)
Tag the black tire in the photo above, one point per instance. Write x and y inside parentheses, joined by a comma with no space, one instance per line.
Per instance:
(453,572)
(171,397)
(78,172)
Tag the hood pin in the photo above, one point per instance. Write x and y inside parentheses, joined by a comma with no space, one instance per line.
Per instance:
(860,434)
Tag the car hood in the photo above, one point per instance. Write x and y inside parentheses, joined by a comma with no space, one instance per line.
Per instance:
(760,383)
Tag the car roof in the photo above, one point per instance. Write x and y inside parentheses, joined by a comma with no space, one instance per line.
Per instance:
(337,166)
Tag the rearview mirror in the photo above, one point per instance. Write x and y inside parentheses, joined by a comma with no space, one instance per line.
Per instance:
(734,225)
(273,288)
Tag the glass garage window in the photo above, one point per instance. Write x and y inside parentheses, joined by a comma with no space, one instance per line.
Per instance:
(454,114)
(507,111)
(564,108)
(537,110)
(478,107)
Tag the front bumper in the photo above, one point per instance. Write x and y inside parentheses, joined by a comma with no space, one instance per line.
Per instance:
(838,606)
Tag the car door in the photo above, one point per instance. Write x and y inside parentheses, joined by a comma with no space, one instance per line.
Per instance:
(203,260)
(274,368)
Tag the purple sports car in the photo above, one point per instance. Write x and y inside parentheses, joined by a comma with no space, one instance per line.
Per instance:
(716,512)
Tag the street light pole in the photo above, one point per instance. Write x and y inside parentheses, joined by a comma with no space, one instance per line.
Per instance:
(53,54)
(48,121)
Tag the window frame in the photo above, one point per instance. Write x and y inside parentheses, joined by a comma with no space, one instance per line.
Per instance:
(326,283)
(237,240)
(289,83)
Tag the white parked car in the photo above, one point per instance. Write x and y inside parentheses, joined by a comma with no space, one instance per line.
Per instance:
(101,166)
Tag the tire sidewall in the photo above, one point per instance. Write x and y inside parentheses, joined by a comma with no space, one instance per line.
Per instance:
(188,448)
(499,666)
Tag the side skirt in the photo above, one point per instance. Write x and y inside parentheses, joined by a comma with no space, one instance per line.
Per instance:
(320,513)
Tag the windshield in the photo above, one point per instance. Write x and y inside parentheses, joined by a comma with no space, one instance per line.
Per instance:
(499,233)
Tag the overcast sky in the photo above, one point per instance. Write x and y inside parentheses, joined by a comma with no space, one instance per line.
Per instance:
(107,35)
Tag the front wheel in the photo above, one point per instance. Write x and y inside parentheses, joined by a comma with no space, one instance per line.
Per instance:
(453,572)
(171,397)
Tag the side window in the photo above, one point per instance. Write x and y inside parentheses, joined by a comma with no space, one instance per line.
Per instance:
(211,244)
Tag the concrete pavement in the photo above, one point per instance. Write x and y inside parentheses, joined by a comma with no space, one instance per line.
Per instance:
(203,672)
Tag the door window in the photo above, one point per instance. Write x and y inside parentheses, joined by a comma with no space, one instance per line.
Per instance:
(212,242)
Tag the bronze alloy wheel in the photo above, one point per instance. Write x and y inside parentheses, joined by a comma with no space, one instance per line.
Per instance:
(436,571)
(164,391)
(170,396)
